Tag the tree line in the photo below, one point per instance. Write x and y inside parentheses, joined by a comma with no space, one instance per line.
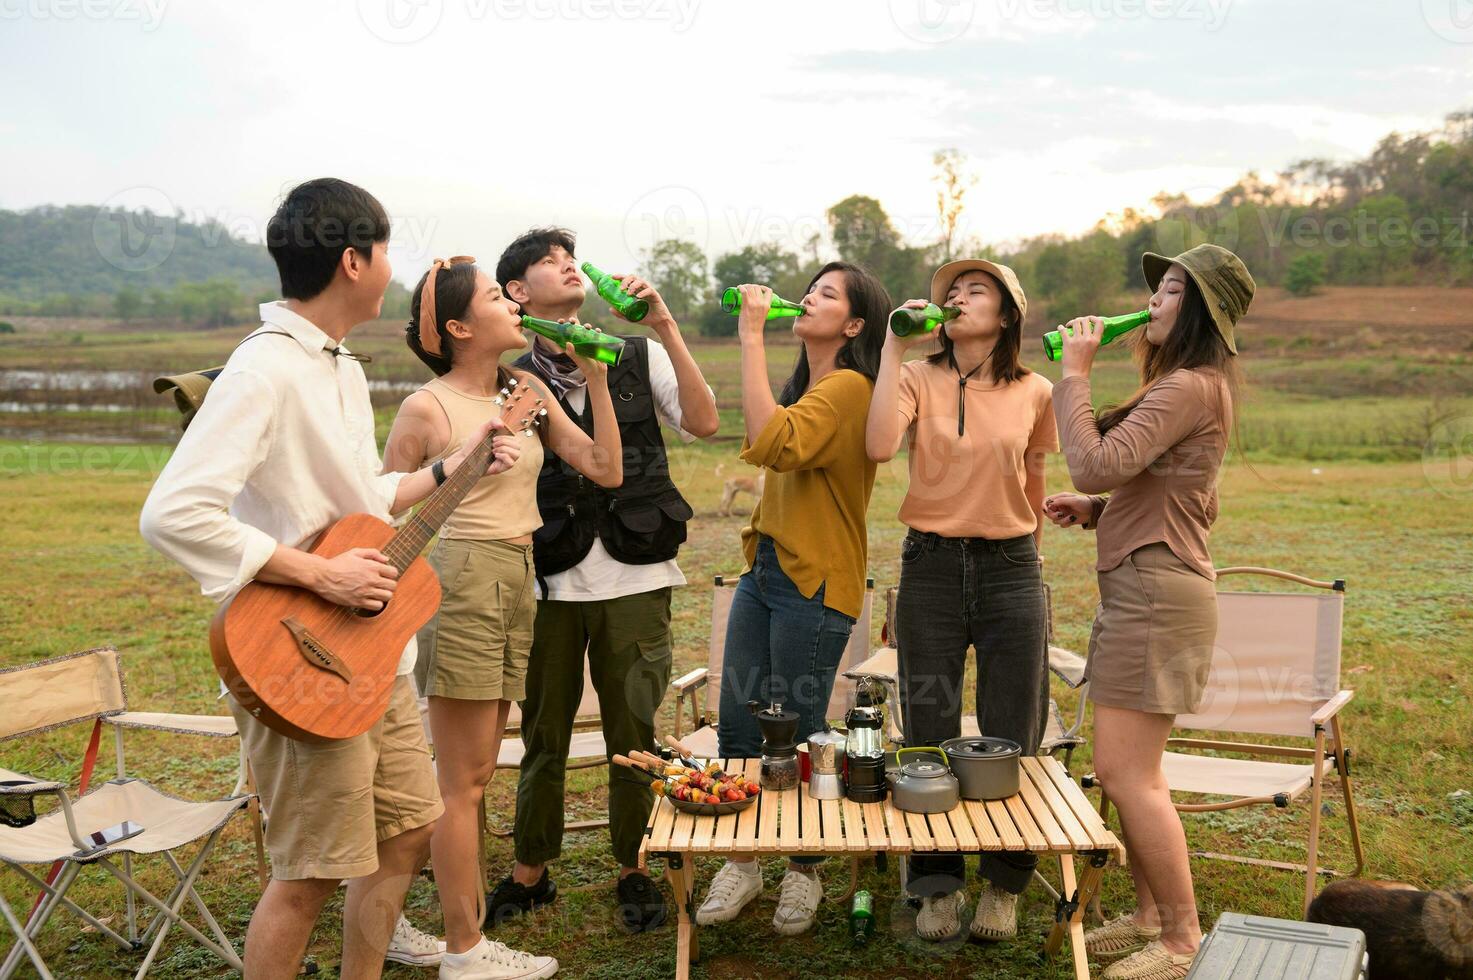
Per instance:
(1399,216)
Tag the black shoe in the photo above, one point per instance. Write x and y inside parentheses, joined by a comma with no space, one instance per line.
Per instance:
(510,899)
(641,906)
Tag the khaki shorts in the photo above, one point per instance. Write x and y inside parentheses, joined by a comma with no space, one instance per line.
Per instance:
(477,646)
(1154,632)
(329,804)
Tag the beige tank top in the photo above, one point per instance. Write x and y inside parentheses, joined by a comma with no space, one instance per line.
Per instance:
(498,507)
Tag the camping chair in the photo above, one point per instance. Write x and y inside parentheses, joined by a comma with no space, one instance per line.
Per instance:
(702,686)
(1275,671)
(90,829)
(1065,664)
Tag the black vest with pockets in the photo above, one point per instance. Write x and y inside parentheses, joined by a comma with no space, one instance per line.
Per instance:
(642,521)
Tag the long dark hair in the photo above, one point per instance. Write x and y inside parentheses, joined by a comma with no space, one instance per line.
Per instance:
(1193,343)
(868,300)
(1006,356)
(455,287)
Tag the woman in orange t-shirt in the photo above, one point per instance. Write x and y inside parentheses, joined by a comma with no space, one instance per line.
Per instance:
(978,424)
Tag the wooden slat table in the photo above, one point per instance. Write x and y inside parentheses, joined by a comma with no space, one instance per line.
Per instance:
(1050,815)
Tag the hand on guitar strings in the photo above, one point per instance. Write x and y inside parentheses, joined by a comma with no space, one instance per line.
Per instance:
(505,449)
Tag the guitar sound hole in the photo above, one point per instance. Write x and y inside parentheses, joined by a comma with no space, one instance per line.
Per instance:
(370,613)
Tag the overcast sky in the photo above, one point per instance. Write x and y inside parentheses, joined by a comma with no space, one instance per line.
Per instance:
(721,121)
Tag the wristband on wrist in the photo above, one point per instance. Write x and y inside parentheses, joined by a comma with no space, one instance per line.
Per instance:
(438,469)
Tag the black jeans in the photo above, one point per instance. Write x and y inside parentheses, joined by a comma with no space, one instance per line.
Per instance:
(956,593)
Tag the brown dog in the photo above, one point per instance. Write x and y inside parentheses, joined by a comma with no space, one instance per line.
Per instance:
(1409,933)
(739,484)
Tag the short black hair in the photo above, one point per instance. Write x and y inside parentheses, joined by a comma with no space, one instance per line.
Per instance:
(533,246)
(316,223)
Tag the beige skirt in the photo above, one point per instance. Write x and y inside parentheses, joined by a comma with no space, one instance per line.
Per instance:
(1154,632)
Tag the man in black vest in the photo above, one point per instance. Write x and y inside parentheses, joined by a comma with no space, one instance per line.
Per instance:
(605,570)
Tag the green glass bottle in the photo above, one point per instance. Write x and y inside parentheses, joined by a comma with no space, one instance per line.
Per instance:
(630,308)
(862,917)
(1115,326)
(588,343)
(906,321)
(731,302)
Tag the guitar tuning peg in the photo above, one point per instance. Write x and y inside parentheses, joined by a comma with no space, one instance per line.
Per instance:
(542,412)
(505,393)
(511,382)
(498,400)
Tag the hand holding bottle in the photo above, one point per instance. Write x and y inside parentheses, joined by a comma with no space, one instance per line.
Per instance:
(1081,341)
(756,301)
(906,341)
(594,370)
(658,318)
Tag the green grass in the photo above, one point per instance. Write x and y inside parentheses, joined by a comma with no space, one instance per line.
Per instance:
(78,576)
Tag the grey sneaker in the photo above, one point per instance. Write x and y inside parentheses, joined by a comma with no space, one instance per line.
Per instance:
(997,915)
(941,917)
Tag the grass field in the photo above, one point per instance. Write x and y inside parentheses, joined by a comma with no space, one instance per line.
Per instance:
(1340,485)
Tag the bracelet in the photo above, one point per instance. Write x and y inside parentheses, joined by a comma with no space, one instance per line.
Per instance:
(439,470)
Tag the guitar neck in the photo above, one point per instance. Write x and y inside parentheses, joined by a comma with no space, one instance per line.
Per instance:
(518,414)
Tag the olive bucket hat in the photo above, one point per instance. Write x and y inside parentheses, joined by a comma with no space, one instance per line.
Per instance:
(1226,286)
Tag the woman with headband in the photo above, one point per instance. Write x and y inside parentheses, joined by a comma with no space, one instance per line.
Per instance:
(473,654)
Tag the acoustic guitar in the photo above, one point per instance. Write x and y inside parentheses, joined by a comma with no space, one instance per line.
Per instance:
(316,671)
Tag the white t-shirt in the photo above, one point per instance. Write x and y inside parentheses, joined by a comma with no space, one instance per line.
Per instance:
(599,575)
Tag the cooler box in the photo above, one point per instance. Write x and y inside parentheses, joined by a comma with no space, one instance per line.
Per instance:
(1253,947)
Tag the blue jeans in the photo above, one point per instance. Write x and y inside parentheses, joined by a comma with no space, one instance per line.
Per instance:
(780,646)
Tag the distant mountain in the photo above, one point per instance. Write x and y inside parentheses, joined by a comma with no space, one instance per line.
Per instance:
(86,252)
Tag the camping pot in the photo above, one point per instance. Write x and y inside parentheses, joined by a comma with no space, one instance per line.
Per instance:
(987,768)
(923,785)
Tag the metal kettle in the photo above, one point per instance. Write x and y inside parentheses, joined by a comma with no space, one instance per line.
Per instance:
(923,785)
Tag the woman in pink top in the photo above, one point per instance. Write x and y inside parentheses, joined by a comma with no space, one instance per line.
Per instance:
(1151,647)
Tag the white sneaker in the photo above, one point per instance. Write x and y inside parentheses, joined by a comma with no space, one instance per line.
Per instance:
(734,886)
(490,960)
(412,947)
(797,903)
(941,917)
(997,915)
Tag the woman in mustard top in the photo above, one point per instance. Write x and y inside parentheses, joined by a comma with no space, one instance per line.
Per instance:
(806,547)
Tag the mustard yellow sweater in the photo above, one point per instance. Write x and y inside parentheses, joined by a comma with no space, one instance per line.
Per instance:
(818,489)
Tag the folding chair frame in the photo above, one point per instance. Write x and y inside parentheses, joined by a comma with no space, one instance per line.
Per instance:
(54,892)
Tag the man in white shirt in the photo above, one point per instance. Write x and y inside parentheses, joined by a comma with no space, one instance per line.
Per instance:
(281,448)
(606,567)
